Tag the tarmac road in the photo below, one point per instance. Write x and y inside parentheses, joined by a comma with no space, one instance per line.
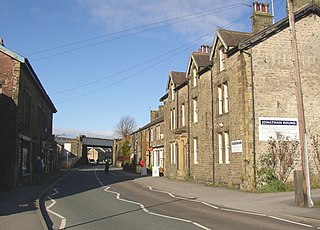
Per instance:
(88,199)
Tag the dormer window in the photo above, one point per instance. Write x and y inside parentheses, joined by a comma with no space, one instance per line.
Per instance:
(221,59)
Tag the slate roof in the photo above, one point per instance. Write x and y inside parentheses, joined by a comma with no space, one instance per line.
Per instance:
(178,77)
(232,38)
(201,59)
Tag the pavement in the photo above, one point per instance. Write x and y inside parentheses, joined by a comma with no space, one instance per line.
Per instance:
(20,207)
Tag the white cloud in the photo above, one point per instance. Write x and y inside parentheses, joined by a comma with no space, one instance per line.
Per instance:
(117,15)
(65,132)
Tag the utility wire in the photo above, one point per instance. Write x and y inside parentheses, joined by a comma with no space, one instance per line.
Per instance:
(138,65)
(137,73)
(128,69)
(138,27)
(181,19)
(204,38)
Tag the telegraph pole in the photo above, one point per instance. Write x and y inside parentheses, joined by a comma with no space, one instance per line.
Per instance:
(300,109)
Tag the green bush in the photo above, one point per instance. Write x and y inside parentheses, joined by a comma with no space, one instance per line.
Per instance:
(276,186)
(315,181)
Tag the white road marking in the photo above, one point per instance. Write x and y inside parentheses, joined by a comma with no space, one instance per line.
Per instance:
(53,202)
(145,209)
(207,204)
(153,213)
(242,212)
(233,210)
(98,179)
(289,221)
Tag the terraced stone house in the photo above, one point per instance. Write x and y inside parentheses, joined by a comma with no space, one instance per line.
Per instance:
(26,117)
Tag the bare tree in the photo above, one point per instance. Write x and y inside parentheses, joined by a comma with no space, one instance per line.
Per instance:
(125,126)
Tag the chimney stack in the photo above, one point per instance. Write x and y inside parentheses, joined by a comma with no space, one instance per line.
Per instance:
(204,49)
(261,18)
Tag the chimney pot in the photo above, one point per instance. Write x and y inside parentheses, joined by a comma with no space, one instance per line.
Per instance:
(261,18)
(260,7)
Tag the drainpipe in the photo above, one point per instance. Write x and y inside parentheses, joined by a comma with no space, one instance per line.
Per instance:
(177,126)
(253,120)
(188,138)
(212,128)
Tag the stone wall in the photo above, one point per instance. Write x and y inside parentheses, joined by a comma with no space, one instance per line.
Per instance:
(274,81)
(202,130)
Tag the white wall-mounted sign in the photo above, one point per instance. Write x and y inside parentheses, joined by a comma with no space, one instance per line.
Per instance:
(236,146)
(273,127)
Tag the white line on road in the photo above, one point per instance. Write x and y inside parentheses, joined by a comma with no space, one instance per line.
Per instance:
(207,204)
(53,202)
(98,179)
(289,221)
(145,209)
(232,210)
(152,213)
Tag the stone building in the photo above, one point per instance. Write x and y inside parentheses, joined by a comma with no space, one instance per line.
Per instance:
(219,115)
(200,115)
(188,120)
(254,89)
(25,120)
(176,119)
(147,142)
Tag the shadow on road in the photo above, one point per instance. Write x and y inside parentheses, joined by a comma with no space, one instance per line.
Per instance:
(90,172)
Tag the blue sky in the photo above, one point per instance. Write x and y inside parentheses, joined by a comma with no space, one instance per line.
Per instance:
(101,60)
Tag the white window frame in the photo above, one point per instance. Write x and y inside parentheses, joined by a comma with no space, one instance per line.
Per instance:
(225,98)
(221,59)
(173,152)
(224,148)
(172,92)
(195,110)
(195,150)
(173,119)
(220,146)
(194,77)
(183,118)
(220,101)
